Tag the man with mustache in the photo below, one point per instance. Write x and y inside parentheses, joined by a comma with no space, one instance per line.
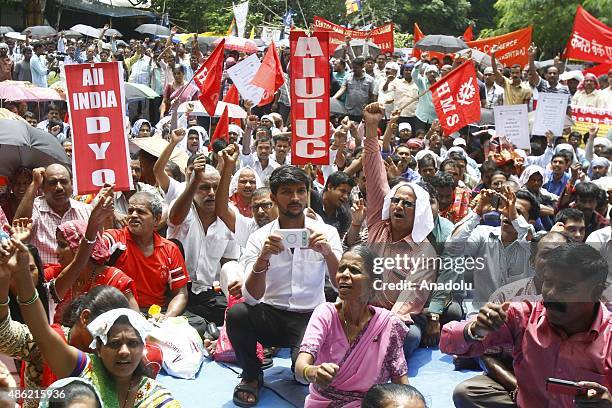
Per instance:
(207,241)
(566,335)
(282,285)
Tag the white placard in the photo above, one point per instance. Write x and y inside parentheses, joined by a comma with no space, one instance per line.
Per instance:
(242,74)
(512,121)
(550,113)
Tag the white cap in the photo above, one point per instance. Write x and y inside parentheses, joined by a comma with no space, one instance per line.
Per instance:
(488,70)
(577,75)
(392,65)
(431,68)
(404,125)
(4,45)
(459,142)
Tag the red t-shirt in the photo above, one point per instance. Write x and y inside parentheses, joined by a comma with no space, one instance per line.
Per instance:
(154,274)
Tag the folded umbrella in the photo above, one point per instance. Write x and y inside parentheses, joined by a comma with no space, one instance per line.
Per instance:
(22,145)
(441,43)
(5,29)
(89,31)
(153,29)
(41,31)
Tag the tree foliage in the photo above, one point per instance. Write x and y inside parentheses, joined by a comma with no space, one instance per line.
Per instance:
(552,20)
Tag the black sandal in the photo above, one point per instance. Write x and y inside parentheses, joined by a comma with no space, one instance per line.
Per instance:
(250,390)
(267,363)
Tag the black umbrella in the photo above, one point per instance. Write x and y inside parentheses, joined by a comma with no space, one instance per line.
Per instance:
(441,43)
(22,145)
(6,29)
(153,29)
(40,31)
(111,31)
(361,48)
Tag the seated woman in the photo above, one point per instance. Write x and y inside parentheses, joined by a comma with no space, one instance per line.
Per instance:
(350,346)
(244,182)
(72,392)
(116,369)
(82,256)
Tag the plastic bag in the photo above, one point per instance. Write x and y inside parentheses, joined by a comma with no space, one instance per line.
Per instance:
(182,347)
(225,351)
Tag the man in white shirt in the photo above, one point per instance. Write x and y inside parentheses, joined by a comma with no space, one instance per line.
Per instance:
(261,161)
(283,285)
(207,241)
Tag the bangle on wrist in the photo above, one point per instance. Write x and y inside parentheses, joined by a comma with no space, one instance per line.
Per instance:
(305,374)
(90,242)
(472,335)
(263,270)
(29,302)
(356,225)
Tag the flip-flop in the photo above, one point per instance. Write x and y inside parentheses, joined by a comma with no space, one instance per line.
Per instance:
(267,363)
(248,389)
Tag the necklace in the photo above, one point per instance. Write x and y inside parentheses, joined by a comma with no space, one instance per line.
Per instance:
(127,396)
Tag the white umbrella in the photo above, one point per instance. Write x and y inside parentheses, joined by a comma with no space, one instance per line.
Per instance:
(86,30)
(15,36)
(233,111)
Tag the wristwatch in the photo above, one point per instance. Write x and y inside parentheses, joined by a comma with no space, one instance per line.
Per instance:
(434,317)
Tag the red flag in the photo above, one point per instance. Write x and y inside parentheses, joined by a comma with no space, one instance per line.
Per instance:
(417,36)
(468,34)
(590,40)
(221,131)
(208,79)
(232,97)
(456,98)
(269,76)
(512,47)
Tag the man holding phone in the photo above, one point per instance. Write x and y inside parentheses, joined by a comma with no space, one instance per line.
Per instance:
(284,279)
(565,336)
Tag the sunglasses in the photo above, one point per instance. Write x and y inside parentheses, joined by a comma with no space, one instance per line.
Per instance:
(263,206)
(403,202)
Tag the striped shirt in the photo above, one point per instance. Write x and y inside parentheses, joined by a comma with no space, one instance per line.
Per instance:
(45,222)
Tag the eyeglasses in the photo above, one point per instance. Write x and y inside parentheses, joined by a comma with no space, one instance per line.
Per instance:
(403,202)
(263,206)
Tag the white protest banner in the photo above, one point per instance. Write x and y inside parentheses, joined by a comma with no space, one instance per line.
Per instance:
(96,104)
(242,74)
(512,121)
(550,113)
(240,14)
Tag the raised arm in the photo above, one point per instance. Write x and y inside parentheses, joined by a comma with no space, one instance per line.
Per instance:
(222,210)
(61,357)
(376,177)
(390,131)
(499,78)
(159,168)
(534,77)
(26,206)
(248,133)
(181,206)
(101,213)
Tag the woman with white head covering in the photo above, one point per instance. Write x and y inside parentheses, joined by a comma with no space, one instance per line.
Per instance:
(532,180)
(244,182)
(116,369)
(141,128)
(193,143)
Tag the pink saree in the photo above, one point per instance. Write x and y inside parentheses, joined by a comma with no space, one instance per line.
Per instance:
(375,356)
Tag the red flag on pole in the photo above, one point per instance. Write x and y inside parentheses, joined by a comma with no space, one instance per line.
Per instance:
(208,79)
(456,98)
(417,36)
(221,131)
(468,34)
(233,97)
(591,39)
(269,76)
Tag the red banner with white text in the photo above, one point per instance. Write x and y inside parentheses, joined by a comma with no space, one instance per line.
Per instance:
(591,40)
(309,97)
(584,117)
(96,104)
(381,36)
(456,98)
(511,48)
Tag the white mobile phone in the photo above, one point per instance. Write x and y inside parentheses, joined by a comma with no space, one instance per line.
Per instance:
(295,238)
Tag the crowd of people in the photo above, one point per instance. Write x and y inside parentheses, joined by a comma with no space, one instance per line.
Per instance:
(413,238)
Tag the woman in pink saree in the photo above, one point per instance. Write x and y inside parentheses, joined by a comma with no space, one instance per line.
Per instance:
(349,346)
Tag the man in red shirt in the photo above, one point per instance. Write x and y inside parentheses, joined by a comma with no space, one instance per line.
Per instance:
(154,263)
(566,336)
